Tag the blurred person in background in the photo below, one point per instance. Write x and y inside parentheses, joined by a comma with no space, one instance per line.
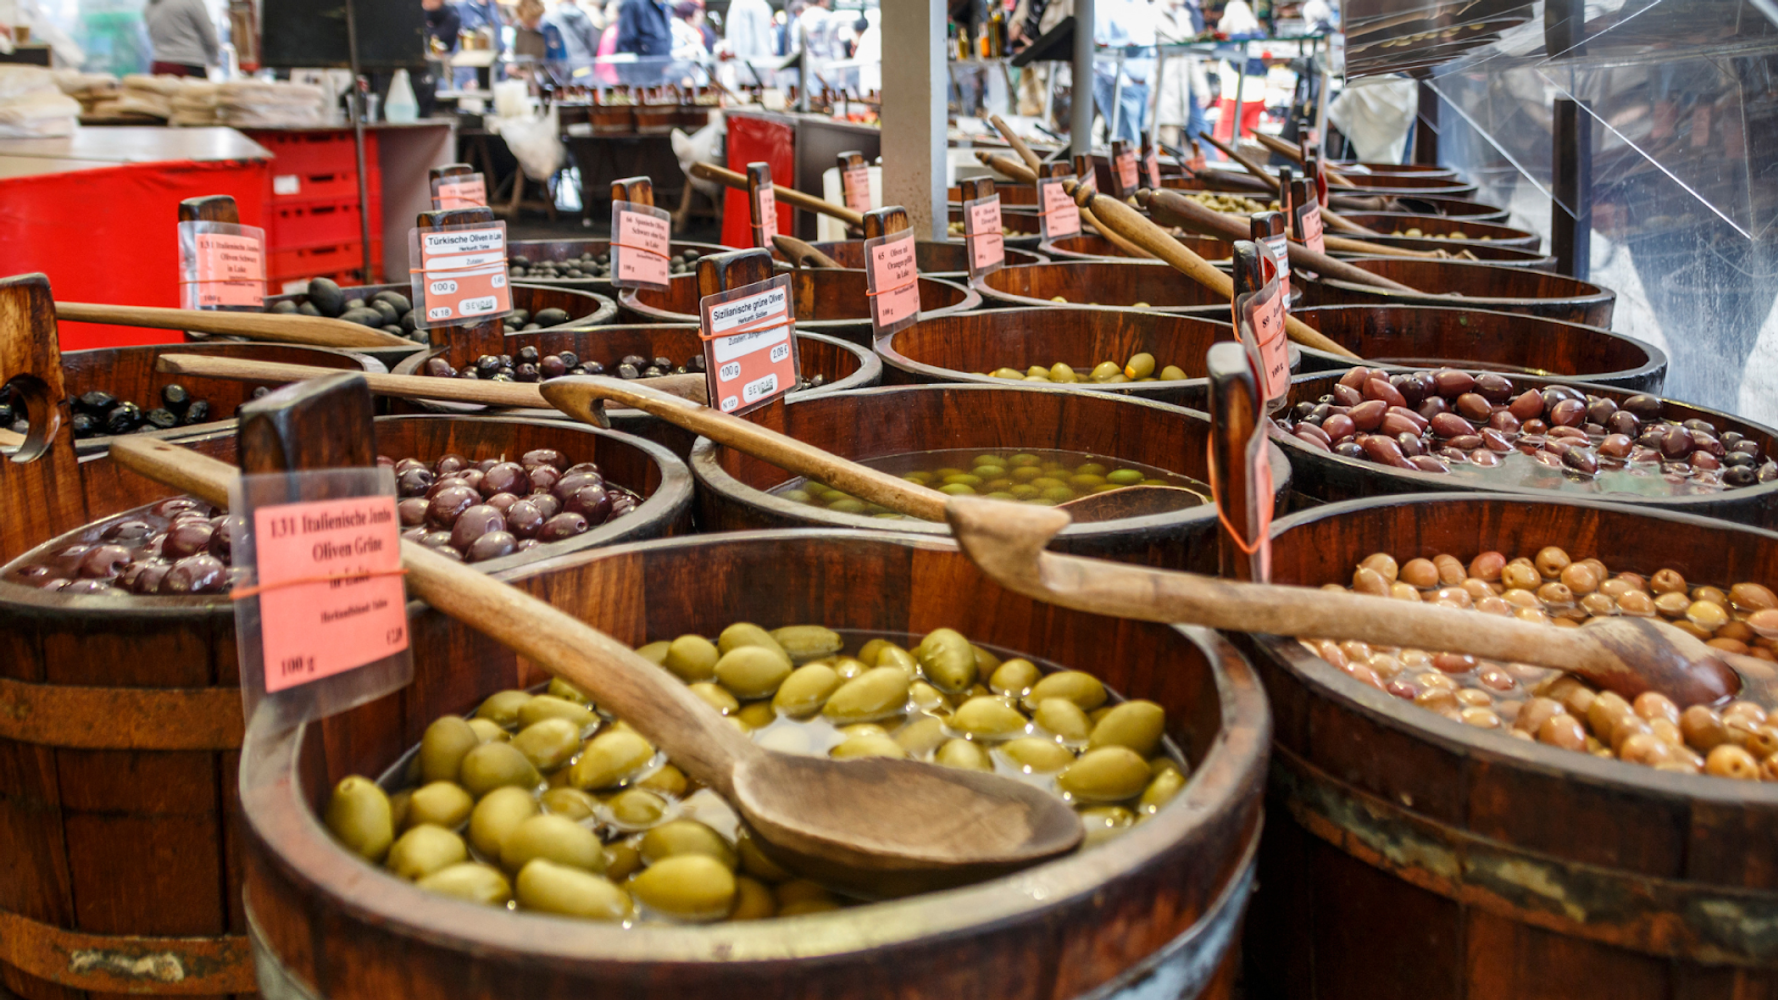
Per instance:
(1129,26)
(688,40)
(580,29)
(751,36)
(644,27)
(1031,20)
(1184,86)
(608,38)
(478,16)
(183,38)
(1238,23)
(535,40)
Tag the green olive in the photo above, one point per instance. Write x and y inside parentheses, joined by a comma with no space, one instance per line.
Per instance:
(571,892)
(548,744)
(443,746)
(1134,724)
(922,736)
(496,816)
(1125,477)
(806,689)
(716,696)
(486,731)
(964,755)
(358,813)
(868,745)
(425,849)
(874,649)
(1082,689)
(441,803)
(685,836)
(895,656)
(1013,677)
(1105,371)
(878,693)
(570,802)
(1060,372)
(753,900)
(927,698)
(1172,373)
(654,651)
(611,758)
(665,780)
(622,861)
(948,660)
(747,634)
(754,862)
(848,667)
(555,838)
(1108,774)
(985,662)
(637,808)
(753,671)
(1140,366)
(808,642)
(546,706)
(687,886)
(758,715)
(559,688)
(502,708)
(496,765)
(471,881)
(1104,822)
(692,658)
(988,717)
(1064,718)
(1166,783)
(398,807)
(1037,754)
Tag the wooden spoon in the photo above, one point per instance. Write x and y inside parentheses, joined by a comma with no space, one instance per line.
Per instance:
(801,254)
(874,825)
(712,172)
(316,331)
(1294,154)
(1037,169)
(1334,219)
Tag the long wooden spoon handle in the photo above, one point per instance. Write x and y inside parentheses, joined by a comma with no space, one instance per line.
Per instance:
(582,397)
(1018,144)
(659,707)
(1294,154)
(802,254)
(316,331)
(1259,172)
(712,172)
(515,395)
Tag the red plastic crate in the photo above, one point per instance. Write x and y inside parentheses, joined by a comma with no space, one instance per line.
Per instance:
(290,189)
(318,152)
(292,227)
(322,261)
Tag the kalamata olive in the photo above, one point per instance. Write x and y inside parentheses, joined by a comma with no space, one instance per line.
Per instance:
(1349,449)
(1302,410)
(1377,388)
(1533,426)
(448,503)
(503,502)
(1410,387)
(144,576)
(1409,415)
(1452,382)
(1504,422)
(1409,444)
(1526,405)
(1426,463)
(1740,475)
(440,368)
(1548,458)
(1344,395)
(1368,415)
(1571,433)
(1452,456)
(1339,425)
(1484,458)
(1677,443)
(1593,430)
(1644,406)
(562,526)
(592,467)
(187,538)
(1383,450)
(1321,411)
(414,534)
(1432,406)
(525,373)
(1472,406)
(442,483)
(1624,422)
(94,587)
(1601,410)
(132,531)
(102,562)
(1466,442)
(471,478)
(1317,433)
(1493,440)
(505,477)
(1493,387)
(412,511)
(1735,458)
(168,509)
(1302,433)
(546,504)
(543,456)
(492,545)
(570,484)
(405,464)
(199,574)
(1567,413)
(543,478)
(1451,425)
(551,366)
(1694,424)
(1615,446)
(450,463)
(523,519)
(473,523)
(414,482)
(1746,445)
(1355,378)
(1394,424)
(591,502)
(1706,442)
(222,539)
(1580,459)
(1705,460)
(1652,437)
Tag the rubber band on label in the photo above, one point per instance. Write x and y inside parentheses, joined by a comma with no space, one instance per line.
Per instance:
(632,246)
(772,323)
(242,593)
(222,281)
(1216,498)
(429,271)
(911,282)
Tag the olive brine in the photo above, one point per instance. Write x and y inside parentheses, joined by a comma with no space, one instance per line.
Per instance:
(542,802)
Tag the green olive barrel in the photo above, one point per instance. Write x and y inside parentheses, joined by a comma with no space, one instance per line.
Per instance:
(948,259)
(525,256)
(1154,911)
(824,300)
(1477,339)
(1390,169)
(877,423)
(1407,855)
(121,726)
(1092,246)
(1124,283)
(129,374)
(968,347)
(1464,231)
(1020,225)
(839,364)
(1325,476)
(1482,286)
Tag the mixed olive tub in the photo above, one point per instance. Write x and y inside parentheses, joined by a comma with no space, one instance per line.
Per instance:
(391,312)
(1481,427)
(542,802)
(1140,368)
(468,511)
(1738,740)
(531,365)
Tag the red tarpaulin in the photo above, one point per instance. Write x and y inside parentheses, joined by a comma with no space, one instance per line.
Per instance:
(757,140)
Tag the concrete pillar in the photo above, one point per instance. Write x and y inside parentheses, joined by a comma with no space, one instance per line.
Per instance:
(915,85)
(1081,122)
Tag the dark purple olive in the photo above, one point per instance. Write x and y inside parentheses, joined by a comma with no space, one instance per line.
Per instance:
(1451,425)
(441,483)
(621,504)
(1467,442)
(1504,422)
(1367,415)
(543,478)
(543,456)
(414,534)
(450,463)
(592,467)
(200,574)
(168,509)
(440,368)
(492,545)
(1493,387)
(471,478)
(1345,395)
(92,587)
(144,576)
(1349,449)
(412,511)
(127,532)
(449,553)
(569,484)
(1677,443)
(1303,434)
(410,463)
(1644,406)
(1412,390)
(1739,475)
(551,367)
(414,482)
(1568,413)
(1432,406)
(1472,406)
(546,504)
(102,562)
(448,503)
(1409,444)
(187,538)
(1734,458)
(1600,411)
(1615,446)
(473,523)
(1426,463)
(505,477)
(1339,425)
(1624,422)
(222,540)
(502,502)
(1580,459)
(562,526)
(1527,405)
(1747,445)
(591,502)
(524,520)
(1705,460)
(1378,388)
(1707,442)
(1694,424)
(1493,440)
(1312,431)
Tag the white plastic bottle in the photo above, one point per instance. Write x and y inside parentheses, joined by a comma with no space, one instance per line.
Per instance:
(401,106)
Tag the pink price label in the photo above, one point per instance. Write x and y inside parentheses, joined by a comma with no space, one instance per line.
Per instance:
(894,281)
(229,271)
(1278,248)
(464,272)
(748,349)
(768,216)
(644,243)
(1310,218)
(856,182)
(1154,169)
(331,597)
(1126,171)
(1197,164)
(1061,216)
(987,245)
(1265,318)
(468,192)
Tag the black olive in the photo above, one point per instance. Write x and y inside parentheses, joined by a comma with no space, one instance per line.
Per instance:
(325,296)
(162,419)
(569,358)
(197,413)
(174,397)
(96,402)
(123,418)
(627,371)
(84,425)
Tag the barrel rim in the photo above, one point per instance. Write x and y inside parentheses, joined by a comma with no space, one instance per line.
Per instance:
(1061,254)
(1499,230)
(1012,248)
(279,819)
(972,299)
(710,474)
(981,287)
(601,286)
(1598,294)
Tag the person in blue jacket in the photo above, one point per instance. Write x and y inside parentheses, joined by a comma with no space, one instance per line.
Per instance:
(642,28)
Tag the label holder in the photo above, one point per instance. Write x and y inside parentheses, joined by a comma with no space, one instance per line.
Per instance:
(641,246)
(440,287)
(221,267)
(892,280)
(1060,216)
(738,342)
(459,191)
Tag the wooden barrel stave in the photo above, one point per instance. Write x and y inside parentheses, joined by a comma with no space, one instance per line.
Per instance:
(1119,283)
(1502,289)
(824,301)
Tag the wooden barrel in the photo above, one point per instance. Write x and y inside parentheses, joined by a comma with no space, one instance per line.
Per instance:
(1477,339)
(826,301)
(1501,289)
(537,251)
(128,373)
(1410,856)
(840,364)
(1152,913)
(1328,477)
(1011,194)
(934,259)
(875,423)
(1020,226)
(1121,283)
(1414,169)
(1092,246)
(1409,184)
(1486,253)
(1465,230)
(964,346)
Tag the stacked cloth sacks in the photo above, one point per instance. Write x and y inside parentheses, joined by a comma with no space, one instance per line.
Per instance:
(32,106)
(248,103)
(142,95)
(90,89)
